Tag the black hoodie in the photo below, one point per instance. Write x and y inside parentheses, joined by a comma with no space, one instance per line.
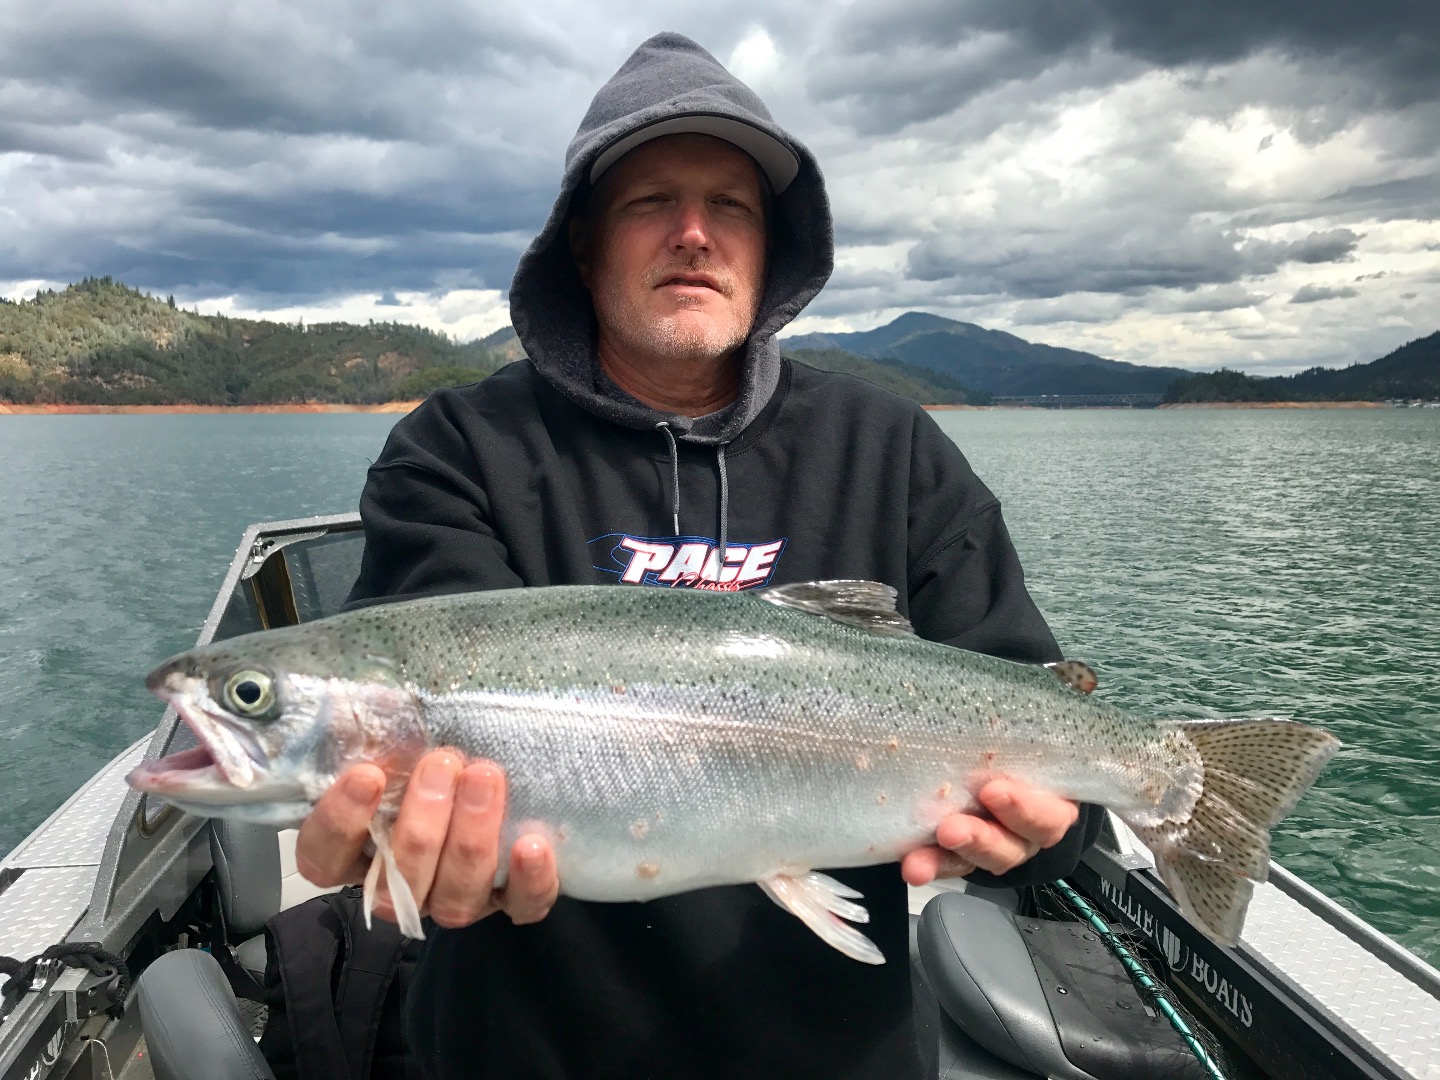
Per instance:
(548,474)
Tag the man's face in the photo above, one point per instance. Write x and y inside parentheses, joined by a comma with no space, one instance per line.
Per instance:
(672,248)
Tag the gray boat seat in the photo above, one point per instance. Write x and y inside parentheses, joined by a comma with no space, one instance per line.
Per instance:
(247,881)
(1019,998)
(192,1023)
(188,1012)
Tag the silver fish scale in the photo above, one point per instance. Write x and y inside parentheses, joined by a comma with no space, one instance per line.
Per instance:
(663,748)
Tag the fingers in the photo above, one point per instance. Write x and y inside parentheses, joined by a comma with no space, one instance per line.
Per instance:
(445,839)
(420,828)
(925,865)
(533,884)
(987,844)
(463,888)
(1041,818)
(1025,821)
(329,849)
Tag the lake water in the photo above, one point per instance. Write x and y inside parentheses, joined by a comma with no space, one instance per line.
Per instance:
(1206,563)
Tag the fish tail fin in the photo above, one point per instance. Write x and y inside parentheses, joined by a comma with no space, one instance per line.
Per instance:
(407,911)
(1254,772)
(816,899)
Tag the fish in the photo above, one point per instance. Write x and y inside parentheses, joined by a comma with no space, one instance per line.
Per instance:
(665,740)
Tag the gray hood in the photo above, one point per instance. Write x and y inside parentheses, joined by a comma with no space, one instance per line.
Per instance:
(668,76)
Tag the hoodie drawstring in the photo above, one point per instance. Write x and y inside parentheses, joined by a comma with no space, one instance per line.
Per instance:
(664,426)
(724,506)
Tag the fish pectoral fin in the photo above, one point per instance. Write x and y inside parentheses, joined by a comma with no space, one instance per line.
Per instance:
(1075,674)
(816,899)
(407,911)
(869,605)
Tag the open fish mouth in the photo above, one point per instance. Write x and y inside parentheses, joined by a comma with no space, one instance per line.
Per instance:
(227,762)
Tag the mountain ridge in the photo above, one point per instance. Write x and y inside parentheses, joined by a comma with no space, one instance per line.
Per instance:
(993,361)
(99,342)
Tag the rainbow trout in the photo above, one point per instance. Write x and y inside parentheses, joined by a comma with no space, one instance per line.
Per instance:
(667,740)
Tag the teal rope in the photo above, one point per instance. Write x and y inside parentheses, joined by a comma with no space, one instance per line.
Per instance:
(1141,976)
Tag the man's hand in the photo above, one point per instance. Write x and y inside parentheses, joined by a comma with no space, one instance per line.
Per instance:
(445,840)
(1025,821)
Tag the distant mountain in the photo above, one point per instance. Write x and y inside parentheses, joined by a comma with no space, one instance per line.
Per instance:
(922,385)
(1411,371)
(504,344)
(102,343)
(919,384)
(992,361)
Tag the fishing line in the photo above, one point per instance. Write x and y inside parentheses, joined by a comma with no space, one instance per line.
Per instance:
(1141,976)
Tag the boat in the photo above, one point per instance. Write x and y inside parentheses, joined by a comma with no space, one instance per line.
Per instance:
(156,914)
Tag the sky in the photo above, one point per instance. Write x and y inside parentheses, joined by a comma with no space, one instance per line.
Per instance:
(1243,183)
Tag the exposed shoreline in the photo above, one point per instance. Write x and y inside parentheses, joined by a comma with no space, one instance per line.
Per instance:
(406,406)
(1276,405)
(153,410)
(1185,405)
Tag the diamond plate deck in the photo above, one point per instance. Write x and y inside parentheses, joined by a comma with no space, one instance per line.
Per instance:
(1375,1000)
(41,907)
(59,861)
(75,835)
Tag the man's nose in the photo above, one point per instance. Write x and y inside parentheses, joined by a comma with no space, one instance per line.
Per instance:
(692,228)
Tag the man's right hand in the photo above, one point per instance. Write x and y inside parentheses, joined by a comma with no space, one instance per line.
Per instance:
(446,841)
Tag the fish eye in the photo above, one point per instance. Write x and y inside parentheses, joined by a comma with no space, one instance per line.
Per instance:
(249,693)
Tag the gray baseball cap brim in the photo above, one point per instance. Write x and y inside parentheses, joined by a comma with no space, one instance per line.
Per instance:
(778,161)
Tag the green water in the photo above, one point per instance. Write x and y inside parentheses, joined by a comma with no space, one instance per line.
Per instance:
(1205,563)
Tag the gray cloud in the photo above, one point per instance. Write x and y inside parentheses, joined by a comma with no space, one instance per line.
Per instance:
(1226,298)
(285,155)
(1390,43)
(1309,294)
(1337,245)
(1124,258)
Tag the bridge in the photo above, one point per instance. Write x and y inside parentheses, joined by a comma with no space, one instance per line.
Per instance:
(1084,401)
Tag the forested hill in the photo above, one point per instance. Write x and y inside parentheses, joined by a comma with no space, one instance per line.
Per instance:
(1411,371)
(102,343)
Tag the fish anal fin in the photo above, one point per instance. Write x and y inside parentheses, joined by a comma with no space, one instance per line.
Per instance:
(402,898)
(869,605)
(816,900)
(1075,674)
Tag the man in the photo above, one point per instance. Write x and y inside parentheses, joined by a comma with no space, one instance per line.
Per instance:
(656,437)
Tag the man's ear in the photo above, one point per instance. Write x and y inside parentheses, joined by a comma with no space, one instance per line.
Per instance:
(580,248)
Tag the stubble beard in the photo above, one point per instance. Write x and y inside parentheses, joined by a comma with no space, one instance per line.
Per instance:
(676,338)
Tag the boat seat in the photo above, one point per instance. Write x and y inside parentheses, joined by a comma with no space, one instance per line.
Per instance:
(1019,998)
(247,883)
(192,1023)
(189,1011)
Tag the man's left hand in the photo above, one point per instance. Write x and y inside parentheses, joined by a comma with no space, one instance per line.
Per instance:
(1025,820)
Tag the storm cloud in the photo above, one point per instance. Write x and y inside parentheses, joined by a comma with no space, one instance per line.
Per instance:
(1158,183)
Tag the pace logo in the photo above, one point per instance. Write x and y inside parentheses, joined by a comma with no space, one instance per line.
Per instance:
(691,562)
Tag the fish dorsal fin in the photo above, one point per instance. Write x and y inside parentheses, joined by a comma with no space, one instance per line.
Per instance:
(1075,674)
(870,605)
